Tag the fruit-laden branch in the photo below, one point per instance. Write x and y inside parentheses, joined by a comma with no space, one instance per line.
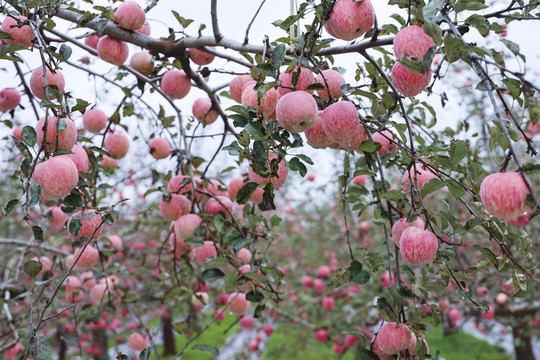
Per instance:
(177,48)
(489,89)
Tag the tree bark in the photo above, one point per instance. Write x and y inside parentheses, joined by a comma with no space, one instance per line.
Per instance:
(100,341)
(522,343)
(169,344)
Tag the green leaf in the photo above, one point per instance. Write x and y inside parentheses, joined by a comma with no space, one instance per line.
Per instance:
(431,186)
(244,194)
(66,52)
(29,136)
(459,151)
(38,233)
(10,205)
(369,146)
(254,296)
(212,275)
(358,275)
(340,277)
(278,56)
(255,132)
(80,106)
(455,189)
(268,198)
(5,35)
(129,298)
(145,354)
(296,165)
(74,225)
(432,11)
(184,22)
(452,46)
(39,347)
(32,268)
(465,295)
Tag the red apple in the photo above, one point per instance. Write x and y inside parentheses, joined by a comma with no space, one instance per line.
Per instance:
(418,246)
(297,111)
(503,194)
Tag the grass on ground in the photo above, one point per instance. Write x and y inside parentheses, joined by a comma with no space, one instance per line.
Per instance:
(290,342)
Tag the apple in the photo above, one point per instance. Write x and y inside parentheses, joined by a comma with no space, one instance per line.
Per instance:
(354,142)
(305,79)
(175,207)
(95,120)
(402,224)
(490,315)
(418,246)
(175,83)
(219,204)
(360,179)
(267,103)
(340,121)
(244,255)
(56,176)
(503,194)
(112,50)
(12,352)
(145,29)
(17,132)
(21,35)
(136,341)
(350,19)
(408,82)
(316,136)
(310,177)
(383,138)
(413,41)
(201,253)
(37,82)
(423,176)
(321,335)
(328,303)
(237,85)
(89,227)
(334,80)
(238,304)
(66,137)
(116,242)
(185,225)
(253,345)
(501,298)
(160,148)
(324,272)
(393,338)
(117,145)
(108,162)
(200,57)
(318,285)
(246,322)
(130,16)
(297,111)
(142,62)
(268,330)
(444,305)
(79,158)
(9,99)
(202,110)
(307,280)
(92,41)
(58,218)
(89,257)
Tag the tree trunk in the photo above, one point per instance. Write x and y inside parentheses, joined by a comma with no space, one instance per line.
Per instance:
(100,341)
(522,343)
(169,344)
